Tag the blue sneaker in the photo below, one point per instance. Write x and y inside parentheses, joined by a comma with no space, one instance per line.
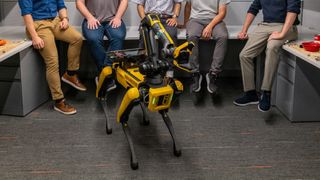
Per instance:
(264,103)
(249,97)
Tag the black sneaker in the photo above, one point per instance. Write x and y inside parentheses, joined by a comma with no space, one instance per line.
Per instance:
(111,84)
(265,103)
(249,97)
(211,83)
(107,86)
(197,80)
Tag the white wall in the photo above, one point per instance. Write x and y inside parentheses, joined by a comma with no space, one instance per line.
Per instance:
(311,14)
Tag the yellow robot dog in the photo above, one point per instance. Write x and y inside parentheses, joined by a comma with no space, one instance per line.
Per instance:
(146,79)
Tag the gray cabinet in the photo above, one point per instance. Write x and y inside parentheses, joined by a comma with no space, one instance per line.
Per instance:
(285,84)
(23,85)
(297,89)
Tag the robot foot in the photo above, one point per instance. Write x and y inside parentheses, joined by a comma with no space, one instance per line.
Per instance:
(176,146)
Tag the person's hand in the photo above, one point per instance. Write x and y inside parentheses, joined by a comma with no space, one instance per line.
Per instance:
(115,22)
(243,35)
(276,36)
(37,42)
(93,23)
(64,24)
(207,32)
(173,22)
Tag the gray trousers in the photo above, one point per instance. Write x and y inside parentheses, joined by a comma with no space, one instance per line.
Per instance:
(257,42)
(219,34)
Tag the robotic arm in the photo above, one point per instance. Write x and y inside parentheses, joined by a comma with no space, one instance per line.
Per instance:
(177,55)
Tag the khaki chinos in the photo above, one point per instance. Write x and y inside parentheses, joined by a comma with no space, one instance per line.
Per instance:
(49,31)
(257,42)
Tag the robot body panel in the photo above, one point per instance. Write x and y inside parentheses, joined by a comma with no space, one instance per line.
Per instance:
(105,73)
(129,100)
(179,85)
(129,77)
(160,98)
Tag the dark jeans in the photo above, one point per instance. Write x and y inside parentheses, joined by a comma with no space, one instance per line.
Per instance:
(94,38)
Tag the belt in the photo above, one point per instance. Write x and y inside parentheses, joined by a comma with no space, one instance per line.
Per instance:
(162,16)
(48,19)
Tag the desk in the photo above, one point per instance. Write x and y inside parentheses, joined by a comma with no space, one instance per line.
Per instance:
(298,84)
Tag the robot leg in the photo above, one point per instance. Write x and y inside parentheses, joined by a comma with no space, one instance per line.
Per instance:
(102,84)
(130,99)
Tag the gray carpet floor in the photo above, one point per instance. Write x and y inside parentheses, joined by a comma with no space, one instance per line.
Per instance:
(218,139)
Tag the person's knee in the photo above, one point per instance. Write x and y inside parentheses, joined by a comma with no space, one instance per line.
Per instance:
(192,37)
(92,37)
(222,37)
(76,37)
(244,55)
(119,35)
(78,40)
(273,46)
(94,40)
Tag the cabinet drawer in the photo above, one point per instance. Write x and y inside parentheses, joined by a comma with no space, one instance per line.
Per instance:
(288,58)
(286,71)
(285,91)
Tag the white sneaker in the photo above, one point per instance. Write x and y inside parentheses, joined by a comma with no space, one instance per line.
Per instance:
(96,79)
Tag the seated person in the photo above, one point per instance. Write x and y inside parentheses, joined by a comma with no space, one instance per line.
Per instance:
(206,22)
(103,18)
(44,27)
(278,26)
(168,12)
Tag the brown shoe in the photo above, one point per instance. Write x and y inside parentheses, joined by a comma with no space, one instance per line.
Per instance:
(73,81)
(64,108)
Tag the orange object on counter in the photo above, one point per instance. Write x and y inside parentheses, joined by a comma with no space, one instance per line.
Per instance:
(2,42)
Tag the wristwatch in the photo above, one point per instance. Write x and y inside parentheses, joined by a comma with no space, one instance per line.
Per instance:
(175,16)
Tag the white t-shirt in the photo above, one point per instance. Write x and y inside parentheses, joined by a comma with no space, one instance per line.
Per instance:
(206,9)
(158,6)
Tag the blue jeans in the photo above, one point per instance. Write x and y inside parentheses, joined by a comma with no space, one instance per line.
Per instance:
(94,38)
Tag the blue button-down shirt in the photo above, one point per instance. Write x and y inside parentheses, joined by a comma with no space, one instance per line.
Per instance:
(275,11)
(41,9)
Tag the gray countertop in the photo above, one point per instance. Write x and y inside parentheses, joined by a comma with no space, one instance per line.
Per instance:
(14,33)
(305,34)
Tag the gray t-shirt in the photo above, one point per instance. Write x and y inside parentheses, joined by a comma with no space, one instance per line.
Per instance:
(103,10)
(158,6)
(206,9)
